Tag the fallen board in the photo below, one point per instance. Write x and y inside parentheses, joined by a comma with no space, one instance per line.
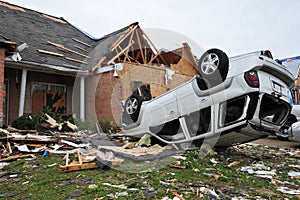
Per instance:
(77,167)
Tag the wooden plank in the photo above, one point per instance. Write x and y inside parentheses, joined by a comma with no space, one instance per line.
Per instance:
(78,167)
(36,140)
(9,148)
(75,60)
(177,195)
(82,49)
(50,53)
(129,43)
(140,45)
(81,42)
(79,157)
(67,159)
(11,158)
(99,63)
(121,52)
(62,47)
(157,52)
(122,38)
(56,44)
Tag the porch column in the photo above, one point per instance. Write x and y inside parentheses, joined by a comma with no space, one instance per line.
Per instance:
(82,98)
(22,93)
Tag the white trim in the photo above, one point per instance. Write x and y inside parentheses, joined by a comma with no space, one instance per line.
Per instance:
(82,98)
(116,67)
(23,91)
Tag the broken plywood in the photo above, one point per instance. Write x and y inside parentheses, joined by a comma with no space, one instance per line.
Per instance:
(157,89)
(148,75)
(184,67)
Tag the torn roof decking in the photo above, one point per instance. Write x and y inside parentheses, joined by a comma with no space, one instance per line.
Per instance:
(54,43)
(37,29)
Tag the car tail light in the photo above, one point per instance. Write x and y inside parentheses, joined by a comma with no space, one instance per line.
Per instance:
(252,79)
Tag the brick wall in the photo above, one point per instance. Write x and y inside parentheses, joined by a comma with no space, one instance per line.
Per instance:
(2,56)
(103,97)
(105,93)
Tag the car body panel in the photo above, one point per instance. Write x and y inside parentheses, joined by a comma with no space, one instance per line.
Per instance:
(223,111)
(294,132)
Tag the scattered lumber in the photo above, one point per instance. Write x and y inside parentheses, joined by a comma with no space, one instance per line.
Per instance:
(81,42)
(50,53)
(77,165)
(11,158)
(62,47)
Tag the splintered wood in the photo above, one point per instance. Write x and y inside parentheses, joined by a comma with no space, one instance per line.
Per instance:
(77,165)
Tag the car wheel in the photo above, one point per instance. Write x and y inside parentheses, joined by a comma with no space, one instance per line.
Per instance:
(282,133)
(213,67)
(132,108)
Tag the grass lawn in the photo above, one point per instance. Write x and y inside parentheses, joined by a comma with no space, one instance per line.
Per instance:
(222,173)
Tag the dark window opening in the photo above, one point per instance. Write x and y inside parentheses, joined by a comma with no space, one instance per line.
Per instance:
(233,110)
(199,122)
(273,110)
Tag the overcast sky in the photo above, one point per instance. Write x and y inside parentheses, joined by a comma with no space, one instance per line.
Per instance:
(235,26)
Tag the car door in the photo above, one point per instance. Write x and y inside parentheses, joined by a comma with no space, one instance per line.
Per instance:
(162,109)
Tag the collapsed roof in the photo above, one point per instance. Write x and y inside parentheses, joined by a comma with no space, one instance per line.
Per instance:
(53,42)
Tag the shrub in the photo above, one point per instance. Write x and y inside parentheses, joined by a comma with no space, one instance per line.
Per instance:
(24,123)
(108,126)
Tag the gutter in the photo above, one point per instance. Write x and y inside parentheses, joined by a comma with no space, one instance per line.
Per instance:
(46,68)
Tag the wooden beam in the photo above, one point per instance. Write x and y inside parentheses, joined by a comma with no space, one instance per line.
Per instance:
(81,42)
(67,159)
(140,45)
(122,38)
(129,43)
(10,158)
(62,47)
(157,52)
(79,157)
(82,49)
(50,53)
(77,167)
(99,63)
(75,60)
(121,52)
(9,148)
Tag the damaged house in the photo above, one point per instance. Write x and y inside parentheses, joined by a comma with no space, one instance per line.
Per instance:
(52,63)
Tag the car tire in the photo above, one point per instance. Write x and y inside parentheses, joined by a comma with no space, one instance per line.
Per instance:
(132,109)
(213,67)
(283,136)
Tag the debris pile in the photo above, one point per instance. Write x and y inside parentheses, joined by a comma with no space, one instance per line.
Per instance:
(81,149)
(48,139)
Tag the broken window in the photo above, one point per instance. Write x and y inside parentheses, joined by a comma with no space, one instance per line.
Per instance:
(48,95)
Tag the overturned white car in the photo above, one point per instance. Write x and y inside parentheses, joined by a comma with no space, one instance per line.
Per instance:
(232,100)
